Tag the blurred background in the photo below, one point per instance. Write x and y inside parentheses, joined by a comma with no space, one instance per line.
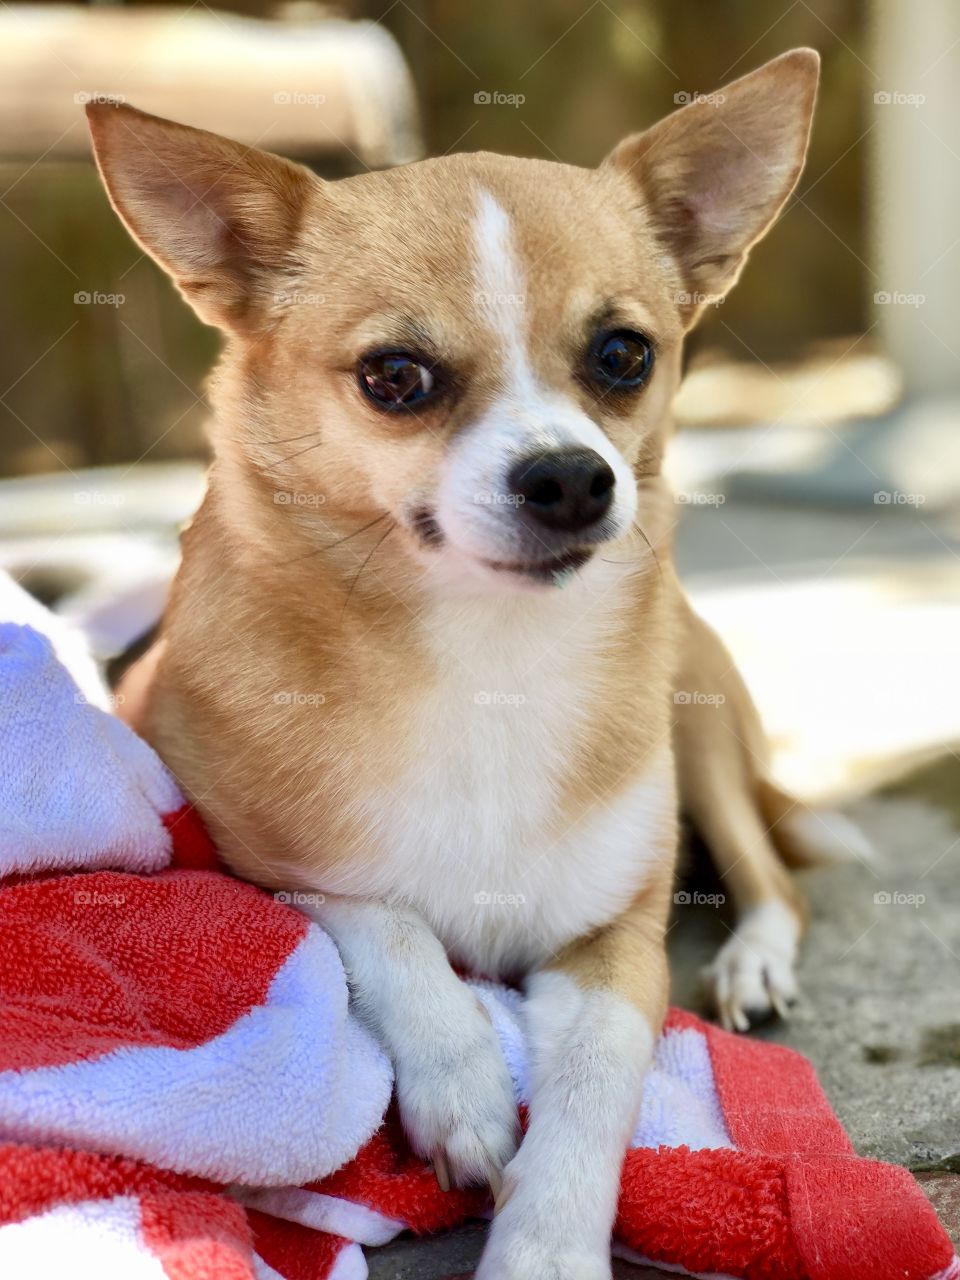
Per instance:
(817,464)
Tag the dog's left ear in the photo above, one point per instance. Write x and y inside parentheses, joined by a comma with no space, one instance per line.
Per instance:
(714,175)
(219,217)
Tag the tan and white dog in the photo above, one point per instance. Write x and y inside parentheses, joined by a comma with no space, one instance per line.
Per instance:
(420,656)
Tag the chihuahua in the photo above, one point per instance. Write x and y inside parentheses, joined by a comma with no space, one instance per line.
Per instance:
(421,655)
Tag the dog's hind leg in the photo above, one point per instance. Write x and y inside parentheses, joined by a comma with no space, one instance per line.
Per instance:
(753,829)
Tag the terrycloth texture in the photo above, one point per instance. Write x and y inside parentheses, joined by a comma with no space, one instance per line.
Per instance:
(77,788)
(184,1093)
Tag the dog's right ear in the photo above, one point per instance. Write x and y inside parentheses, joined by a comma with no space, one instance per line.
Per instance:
(221,218)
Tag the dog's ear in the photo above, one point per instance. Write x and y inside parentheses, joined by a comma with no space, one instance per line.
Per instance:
(219,217)
(714,175)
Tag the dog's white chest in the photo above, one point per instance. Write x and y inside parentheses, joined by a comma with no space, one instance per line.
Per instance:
(471,834)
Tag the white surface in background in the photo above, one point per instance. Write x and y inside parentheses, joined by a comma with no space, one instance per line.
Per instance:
(849,673)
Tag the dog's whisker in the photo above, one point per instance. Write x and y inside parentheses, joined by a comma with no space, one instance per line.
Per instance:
(340,541)
(296,454)
(369,556)
(307,435)
(633,559)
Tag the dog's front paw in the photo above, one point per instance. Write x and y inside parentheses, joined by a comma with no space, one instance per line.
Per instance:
(543,1229)
(458,1107)
(526,1252)
(752,976)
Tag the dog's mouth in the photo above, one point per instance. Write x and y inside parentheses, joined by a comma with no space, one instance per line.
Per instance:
(554,570)
(550,571)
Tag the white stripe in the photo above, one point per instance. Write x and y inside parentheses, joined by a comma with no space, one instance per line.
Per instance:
(681,1106)
(350,1265)
(323,1213)
(92,1240)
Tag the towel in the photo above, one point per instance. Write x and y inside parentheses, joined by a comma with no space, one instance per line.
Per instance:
(185,1093)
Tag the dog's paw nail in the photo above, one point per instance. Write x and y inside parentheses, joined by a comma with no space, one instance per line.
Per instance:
(441,1170)
(780,1005)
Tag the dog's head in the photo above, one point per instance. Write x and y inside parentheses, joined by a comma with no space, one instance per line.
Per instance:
(482,349)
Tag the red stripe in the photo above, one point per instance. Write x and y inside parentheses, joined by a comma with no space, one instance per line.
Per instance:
(197,1235)
(36,1179)
(90,963)
(296,1252)
(857,1218)
(709,1211)
(192,847)
(388,1177)
(771,1098)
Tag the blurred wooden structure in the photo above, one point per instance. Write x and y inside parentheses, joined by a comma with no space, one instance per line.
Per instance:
(100,361)
(306,84)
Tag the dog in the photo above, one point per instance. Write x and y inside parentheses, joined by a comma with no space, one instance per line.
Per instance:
(420,657)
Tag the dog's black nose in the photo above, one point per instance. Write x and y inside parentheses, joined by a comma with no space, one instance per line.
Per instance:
(568,489)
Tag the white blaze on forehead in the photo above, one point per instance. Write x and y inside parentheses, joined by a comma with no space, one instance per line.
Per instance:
(501,287)
(525,419)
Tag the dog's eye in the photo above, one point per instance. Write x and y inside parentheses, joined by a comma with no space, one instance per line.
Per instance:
(395,379)
(621,360)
